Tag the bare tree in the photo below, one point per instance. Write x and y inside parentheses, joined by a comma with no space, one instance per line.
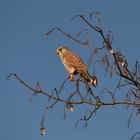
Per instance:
(115,63)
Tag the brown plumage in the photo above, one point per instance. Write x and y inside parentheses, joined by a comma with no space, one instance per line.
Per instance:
(73,64)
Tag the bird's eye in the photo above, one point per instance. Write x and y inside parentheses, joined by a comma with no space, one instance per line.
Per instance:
(61,50)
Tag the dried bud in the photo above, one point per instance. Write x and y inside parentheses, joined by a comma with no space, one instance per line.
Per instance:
(111,51)
(42,131)
(70,107)
(122,63)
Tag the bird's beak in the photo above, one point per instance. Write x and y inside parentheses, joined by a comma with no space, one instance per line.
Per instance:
(57,52)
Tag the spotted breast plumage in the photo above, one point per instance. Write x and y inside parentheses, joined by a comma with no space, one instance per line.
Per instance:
(73,64)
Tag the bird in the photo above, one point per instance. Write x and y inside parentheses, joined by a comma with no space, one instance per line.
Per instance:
(74,64)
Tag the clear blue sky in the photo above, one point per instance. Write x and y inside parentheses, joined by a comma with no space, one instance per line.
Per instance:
(25,51)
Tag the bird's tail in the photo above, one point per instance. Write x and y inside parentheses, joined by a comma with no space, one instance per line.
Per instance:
(91,79)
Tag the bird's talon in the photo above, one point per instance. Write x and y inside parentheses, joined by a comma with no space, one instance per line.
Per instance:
(71,77)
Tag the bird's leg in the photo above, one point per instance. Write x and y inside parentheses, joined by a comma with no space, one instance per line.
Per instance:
(70,76)
(72,71)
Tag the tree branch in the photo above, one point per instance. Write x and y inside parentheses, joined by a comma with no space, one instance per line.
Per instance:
(83,101)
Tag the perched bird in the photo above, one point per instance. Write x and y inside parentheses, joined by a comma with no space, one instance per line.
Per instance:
(74,65)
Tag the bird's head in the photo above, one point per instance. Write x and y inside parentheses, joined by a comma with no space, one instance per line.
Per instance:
(62,49)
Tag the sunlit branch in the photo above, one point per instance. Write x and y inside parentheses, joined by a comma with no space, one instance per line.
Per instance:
(109,47)
(66,34)
(83,101)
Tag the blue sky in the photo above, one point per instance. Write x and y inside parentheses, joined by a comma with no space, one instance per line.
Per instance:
(25,51)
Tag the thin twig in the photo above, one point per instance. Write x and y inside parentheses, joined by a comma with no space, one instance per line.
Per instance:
(66,34)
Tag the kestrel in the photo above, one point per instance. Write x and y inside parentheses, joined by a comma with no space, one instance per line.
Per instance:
(74,64)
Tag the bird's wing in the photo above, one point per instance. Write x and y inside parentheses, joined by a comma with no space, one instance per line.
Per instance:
(75,61)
